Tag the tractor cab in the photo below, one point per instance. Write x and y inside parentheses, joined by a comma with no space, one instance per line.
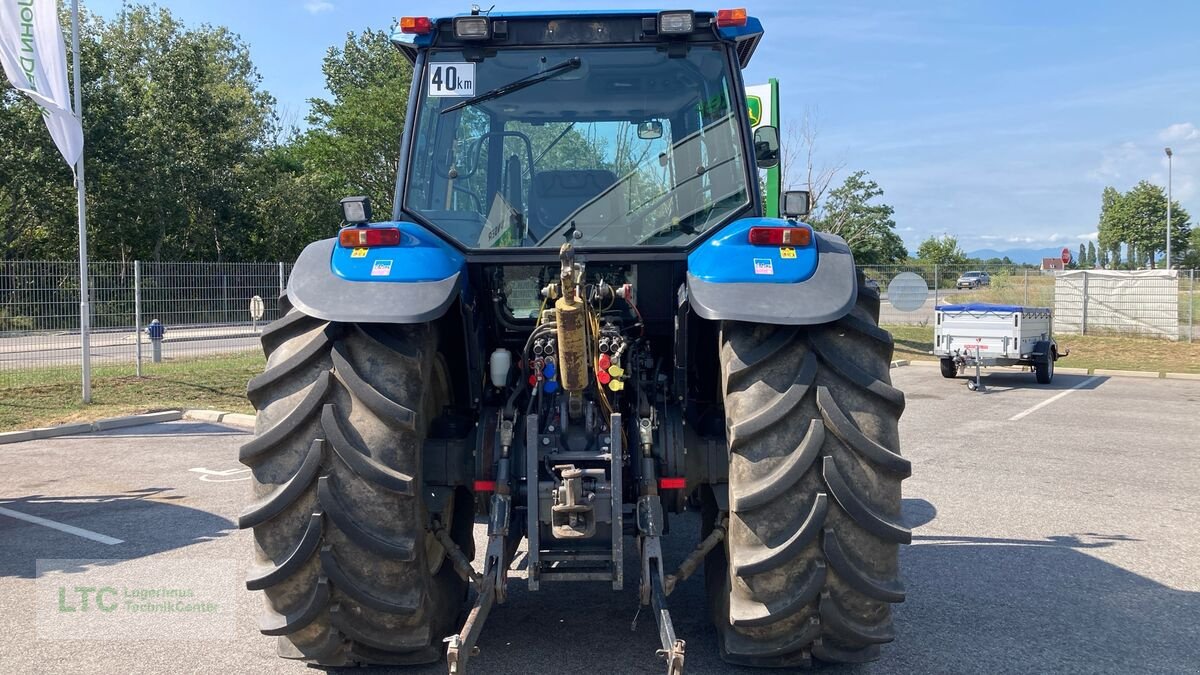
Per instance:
(629,129)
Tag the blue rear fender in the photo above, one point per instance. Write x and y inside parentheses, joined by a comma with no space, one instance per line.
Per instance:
(413,282)
(730,279)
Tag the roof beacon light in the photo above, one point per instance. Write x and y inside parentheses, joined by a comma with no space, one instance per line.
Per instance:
(780,236)
(416,25)
(727,18)
(472,28)
(366,237)
(676,23)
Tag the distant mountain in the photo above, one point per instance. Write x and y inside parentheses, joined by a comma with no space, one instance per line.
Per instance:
(1019,256)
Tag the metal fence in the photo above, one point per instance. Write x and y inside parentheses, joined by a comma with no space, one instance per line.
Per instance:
(204,308)
(1142,304)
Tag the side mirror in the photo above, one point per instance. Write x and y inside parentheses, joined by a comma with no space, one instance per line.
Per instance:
(766,147)
(650,130)
(796,203)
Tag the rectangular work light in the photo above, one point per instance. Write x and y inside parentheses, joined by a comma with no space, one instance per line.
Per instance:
(676,23)
(356,210)
(472,28)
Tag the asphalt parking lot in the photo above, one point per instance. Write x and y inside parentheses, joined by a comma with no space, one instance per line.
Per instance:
(1055,529)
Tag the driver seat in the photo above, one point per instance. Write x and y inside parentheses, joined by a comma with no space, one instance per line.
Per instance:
(556,194)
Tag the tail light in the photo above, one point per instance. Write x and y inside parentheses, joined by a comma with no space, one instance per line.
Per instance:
(780,236)
(365,237)
(727,18)
(417,25)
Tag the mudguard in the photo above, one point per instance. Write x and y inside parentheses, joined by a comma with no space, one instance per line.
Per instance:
(414,282)
(731,280)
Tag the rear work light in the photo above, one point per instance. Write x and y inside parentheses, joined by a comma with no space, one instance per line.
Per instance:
(676,23)
(780,236)
(417,25)
(365,237)
(472,28)
(731,17)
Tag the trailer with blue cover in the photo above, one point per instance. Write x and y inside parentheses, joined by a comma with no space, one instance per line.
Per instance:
(576,322)
(982,334)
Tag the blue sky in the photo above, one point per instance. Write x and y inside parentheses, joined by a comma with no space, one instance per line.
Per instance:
(997,122)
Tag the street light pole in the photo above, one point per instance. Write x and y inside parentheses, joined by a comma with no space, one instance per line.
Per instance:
(1169,155)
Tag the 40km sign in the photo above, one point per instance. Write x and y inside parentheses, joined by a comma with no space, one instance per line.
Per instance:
(451,79)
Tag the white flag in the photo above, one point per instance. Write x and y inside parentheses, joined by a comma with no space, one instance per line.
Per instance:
(35,60)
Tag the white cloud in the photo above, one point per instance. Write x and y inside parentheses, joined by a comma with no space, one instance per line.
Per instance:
(318,6)
(1116,161)
(1185,131)
(1093,236)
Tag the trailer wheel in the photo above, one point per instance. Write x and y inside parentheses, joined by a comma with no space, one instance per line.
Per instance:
(1044,370)
(343,552)
(810,565)
(949,368)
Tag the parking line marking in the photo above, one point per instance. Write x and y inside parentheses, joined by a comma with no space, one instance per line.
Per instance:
(62,527)
(1052,399)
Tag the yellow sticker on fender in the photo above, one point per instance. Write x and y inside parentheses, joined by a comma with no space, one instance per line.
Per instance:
(358,253)
(787,252)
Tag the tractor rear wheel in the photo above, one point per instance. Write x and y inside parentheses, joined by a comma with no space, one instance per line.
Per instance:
(809,568)
(343,547)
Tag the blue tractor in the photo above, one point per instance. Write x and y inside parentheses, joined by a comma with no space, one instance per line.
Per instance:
(577,321)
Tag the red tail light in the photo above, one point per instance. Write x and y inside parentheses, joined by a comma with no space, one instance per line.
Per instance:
(360,237)
(780,236)
(731,17)
(417,25)
(672,483)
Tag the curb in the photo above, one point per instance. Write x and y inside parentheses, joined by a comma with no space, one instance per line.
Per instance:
(240,420)
(1106,372)
(88,427)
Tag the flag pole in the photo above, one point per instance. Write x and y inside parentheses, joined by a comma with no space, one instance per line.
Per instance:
(84,303)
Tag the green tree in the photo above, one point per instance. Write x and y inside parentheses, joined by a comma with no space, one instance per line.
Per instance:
(1191,259)
(942,250)
(1103,257)
(1138,218)
(853,212)
(1081,259)
(1092,261)
(173,122)
(353,147)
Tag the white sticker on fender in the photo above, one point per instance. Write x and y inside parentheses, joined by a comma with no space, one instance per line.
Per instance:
(764,266)
(381,268)
(451,79)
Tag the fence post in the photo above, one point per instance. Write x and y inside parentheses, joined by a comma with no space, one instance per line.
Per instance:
(1192,307)
(137,313)
(1026,303)
(281,289)
(937,282)
(1085,302)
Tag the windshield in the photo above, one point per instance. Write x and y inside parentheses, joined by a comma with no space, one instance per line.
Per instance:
(627,146)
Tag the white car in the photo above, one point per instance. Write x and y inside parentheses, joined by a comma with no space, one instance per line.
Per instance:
(973,280)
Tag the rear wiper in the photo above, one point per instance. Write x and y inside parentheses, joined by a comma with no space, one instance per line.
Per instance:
(517,85)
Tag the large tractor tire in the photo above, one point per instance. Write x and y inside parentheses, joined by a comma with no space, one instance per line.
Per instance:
(810,568)
(343,547)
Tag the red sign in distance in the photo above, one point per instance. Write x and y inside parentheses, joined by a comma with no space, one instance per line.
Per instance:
(1066,256)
